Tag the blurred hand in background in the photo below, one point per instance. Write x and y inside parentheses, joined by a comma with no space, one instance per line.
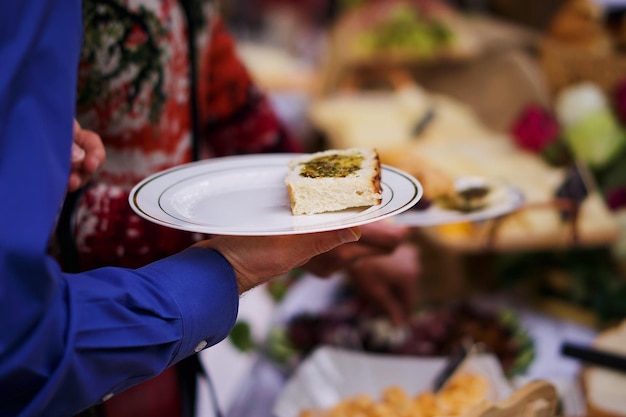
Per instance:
(88,156)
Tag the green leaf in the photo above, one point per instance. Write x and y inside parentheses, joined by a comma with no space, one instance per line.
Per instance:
(613,175)
(277,289)
(557,154)
(241,337)
(279,347)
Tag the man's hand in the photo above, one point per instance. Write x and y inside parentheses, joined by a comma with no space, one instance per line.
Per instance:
(377,238)
(88,155)
(257,259)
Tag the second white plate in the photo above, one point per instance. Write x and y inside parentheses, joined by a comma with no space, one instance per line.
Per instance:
(435,215)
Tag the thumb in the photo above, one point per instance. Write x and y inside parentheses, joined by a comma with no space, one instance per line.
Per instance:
(325,241)
(314,244)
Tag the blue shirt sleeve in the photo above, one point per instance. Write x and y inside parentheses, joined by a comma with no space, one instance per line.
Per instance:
(68,340)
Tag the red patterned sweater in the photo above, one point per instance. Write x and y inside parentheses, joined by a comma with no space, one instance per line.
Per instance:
(134,90)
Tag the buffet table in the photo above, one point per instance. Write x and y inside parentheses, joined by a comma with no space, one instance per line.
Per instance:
(256,392)
(468,135)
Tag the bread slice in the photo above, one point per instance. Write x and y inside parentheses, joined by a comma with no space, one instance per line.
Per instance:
(605,389)
(334,180)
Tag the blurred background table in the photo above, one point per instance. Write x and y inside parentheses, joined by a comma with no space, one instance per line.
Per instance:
(514,55)
(248,384)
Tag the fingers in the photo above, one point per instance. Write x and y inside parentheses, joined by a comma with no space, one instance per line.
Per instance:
(78,154)
(339,258)
(257,259)
(325,241)
(92,145)
(74,182)
(377,238)
(88,155)
(384,235)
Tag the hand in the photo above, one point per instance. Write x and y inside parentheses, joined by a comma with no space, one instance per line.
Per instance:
(257,259)
(377,239)
(88,155)
(389,283)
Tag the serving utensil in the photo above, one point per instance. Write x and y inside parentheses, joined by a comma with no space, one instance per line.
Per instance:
(454,363)
(594,356)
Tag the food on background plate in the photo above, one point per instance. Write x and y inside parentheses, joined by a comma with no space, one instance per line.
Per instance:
(604,388)
(464,193)
(464,392)
(472,194)
(437,183)
(407,30)
(334,180)
(403,31)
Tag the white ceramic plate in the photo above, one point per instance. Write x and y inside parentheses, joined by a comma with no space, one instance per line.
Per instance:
(510,200)
(330,375)
(247,195)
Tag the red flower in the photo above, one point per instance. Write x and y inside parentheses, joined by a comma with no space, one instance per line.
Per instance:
(619,100)
(535,129)
(616,198)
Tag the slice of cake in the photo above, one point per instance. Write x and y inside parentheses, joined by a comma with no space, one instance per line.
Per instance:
(334,180)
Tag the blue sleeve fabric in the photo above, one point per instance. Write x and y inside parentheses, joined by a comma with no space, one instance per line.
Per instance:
(68,340)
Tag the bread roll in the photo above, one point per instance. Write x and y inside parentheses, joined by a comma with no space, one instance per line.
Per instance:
(334,180)
(605,390)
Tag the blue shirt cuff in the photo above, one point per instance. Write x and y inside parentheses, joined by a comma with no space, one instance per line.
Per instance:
(203,285)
